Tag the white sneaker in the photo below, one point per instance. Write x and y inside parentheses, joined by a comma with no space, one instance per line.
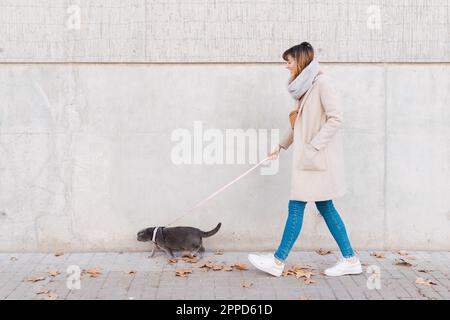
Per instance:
(343,267)
(266,263)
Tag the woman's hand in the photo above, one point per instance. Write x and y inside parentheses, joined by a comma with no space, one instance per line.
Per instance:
(274,153)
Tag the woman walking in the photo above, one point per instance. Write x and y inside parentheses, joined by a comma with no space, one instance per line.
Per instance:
(318,162)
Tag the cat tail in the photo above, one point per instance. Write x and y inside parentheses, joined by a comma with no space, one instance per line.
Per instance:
(212,232)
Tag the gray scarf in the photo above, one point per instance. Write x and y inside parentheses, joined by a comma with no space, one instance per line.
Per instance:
(304,80)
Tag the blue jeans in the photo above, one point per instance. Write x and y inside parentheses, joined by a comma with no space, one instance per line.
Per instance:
(294,225)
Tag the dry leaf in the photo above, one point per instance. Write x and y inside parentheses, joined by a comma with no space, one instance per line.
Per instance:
(402,252)
(304,274)
(227,267)
(309,281)
(53,273)
(43,291)
(205,263)
(403,262)
(131,272)
(218,252)
(377,254)
(173,260)
(246,284)
(182,272)
(92,272)
(299,272)
(217,266)
(426,282)
(189,259)
(13,259)
(323,252)
(52,296)
(59,253)
(240,266)
(35,279)
(425,270)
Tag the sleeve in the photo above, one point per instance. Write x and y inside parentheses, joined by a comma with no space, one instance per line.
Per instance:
(332,107)
(287,138)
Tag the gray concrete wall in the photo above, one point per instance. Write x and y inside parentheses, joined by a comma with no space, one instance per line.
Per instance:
(223,31)
(87,149)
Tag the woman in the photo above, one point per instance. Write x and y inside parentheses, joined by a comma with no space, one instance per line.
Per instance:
(318,163)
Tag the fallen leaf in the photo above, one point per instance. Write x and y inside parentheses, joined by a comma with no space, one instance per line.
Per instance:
(52,296)
(218,252)
(403,262)
(189,259)
(43,291)
(402,252)
(182,272)
(205,263)
(240,266)
(323,252)
(53,273)
(217,266)
(425,270)
(173,260)
(13,259)
(227,267)
(35,279)
(299,272)
(246,284)
(304,274)
(309,281)
(59,253)
(131,272)
(377,254)
(426,282)
(92,272)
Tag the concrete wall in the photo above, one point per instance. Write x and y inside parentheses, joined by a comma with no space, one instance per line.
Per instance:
(86,149)
(223,31)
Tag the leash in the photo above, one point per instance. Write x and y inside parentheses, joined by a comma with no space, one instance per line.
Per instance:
(218,191)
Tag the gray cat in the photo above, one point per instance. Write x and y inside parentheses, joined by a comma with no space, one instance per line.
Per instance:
(176,238)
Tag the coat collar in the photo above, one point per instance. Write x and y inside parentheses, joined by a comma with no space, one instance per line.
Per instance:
(305,96)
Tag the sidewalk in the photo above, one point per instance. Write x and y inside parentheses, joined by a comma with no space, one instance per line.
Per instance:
(136,276)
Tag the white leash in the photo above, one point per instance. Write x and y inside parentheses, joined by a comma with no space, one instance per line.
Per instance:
(218,191)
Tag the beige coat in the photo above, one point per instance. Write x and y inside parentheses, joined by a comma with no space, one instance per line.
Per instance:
(318,160)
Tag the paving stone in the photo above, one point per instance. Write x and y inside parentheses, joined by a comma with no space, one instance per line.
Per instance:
(155,278)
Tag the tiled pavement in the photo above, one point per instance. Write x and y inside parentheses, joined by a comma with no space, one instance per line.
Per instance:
(154,278)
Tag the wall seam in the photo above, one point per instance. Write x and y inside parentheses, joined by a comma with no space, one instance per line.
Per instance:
(385,174)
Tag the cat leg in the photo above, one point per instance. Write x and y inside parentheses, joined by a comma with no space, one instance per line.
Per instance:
(168,251)
(193,253)
(153,251)
(201,251)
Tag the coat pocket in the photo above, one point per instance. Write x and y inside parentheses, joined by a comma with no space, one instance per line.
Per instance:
(312,160)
